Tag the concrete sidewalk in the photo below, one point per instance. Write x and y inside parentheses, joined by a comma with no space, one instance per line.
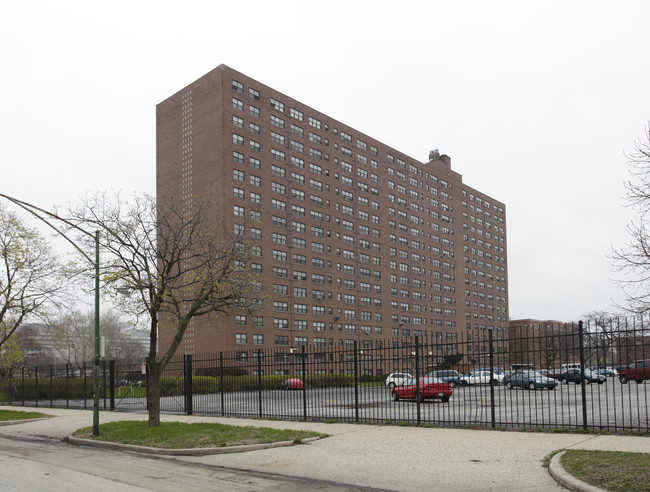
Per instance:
(382,457)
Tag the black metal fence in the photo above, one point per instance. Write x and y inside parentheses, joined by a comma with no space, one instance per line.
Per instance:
(345,382)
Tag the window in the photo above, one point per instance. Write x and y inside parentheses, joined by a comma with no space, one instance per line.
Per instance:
(278,155)
(253,128)
(296,114)
(314,122)
(239,193)
(237,104)
(253,94)
(258,339)
(281,340)
(237,87)
(238,122)
(240,338)
(277,105)
(297,146)
(255,180)
(253,111)
(277,121)
(280,306)
(238,175)
(277,171)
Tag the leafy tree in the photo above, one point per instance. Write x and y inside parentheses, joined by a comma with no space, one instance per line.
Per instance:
(633,259)
(170,264)
(31,278)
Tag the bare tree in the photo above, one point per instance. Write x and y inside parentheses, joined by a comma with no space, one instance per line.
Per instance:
(633,258)
(31,278)
(602,332)
(170,264)
(72,337)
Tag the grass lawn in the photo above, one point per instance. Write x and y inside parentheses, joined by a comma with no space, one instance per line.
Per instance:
(609,470)
(20,415)
(178,435)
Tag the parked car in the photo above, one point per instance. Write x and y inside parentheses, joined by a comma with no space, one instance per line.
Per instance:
(397,378)
(552,373)
(430,388)
(480,377)
(639,370)
(495,370)
(574,376)
(447,376)
(529,379)
(608,373)
(292,384)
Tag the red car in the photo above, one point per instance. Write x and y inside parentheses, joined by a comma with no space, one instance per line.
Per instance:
(430,388)
(292,384)
(638,371)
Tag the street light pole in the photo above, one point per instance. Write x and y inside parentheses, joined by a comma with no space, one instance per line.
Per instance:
(96,365)
(32,210)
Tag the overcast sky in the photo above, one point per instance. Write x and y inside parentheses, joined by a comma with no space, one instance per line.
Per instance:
(535,102)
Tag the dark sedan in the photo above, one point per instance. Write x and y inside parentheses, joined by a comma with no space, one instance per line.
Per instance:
(574,376)
(529,379)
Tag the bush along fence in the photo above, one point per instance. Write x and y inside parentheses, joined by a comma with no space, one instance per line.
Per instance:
(578,378)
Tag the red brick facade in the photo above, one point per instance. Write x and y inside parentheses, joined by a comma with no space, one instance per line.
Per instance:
(358,240)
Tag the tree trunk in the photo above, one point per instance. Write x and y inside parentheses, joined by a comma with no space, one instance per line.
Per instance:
(153,395)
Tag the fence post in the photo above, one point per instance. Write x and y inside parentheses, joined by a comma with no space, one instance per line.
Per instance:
(36,386)
(418,397)
(491,348)
(85,382)
(104,382)
(223,413)
(583,389)
(67,385)
(51,386)
(23,386)
(356,383)
(188,383)
(111,379)
(304,384)
(259,380)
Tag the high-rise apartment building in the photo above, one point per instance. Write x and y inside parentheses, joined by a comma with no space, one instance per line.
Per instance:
(357,240)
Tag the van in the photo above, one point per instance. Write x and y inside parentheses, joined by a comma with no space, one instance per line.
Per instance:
(638,371)
(568,367)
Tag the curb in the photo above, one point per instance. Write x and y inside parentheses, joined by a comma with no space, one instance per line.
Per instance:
(567,480)
(22,421)
(185,451)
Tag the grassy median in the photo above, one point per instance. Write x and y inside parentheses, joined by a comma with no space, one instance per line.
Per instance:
(20,415)
(178,435)
(609,470)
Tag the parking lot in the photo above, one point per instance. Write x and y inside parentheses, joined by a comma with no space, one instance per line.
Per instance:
(612,406)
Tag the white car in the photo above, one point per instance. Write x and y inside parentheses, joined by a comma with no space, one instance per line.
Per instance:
(397,378)
(481,377)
